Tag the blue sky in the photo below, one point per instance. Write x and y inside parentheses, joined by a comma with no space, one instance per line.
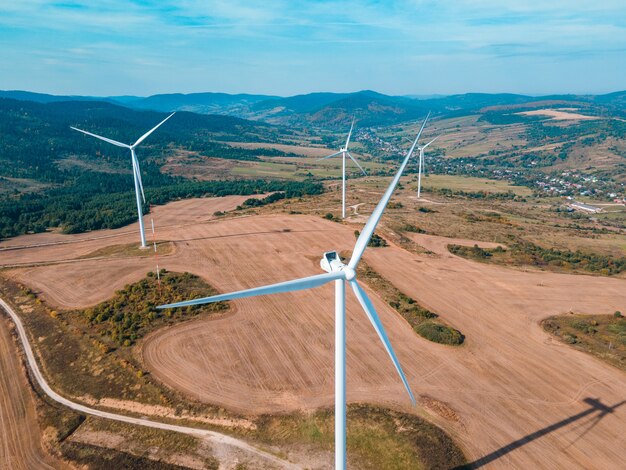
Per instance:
(283,47)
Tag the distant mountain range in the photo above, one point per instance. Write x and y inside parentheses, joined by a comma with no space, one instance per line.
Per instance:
(330,110)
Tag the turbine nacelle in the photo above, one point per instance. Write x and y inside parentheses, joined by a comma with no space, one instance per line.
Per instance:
(331,263)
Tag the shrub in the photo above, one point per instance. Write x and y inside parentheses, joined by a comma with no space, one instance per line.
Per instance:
(376,241)
(570,339)
(411,228)
(329,216)
(439,333)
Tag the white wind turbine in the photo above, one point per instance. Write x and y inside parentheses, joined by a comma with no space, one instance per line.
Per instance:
(343,152)
(136,172)
(421,149)
(339,272)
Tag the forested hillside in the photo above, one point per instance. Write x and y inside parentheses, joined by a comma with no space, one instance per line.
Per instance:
(52,176)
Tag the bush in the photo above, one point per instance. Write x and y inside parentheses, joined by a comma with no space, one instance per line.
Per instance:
(570,339)
(376,241)
(618,314)
(439,333)
(411,228)
(329,216)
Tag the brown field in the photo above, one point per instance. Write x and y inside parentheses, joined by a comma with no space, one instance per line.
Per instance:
(518,398)
(565,114)
(20,439)
(466,135)
(297,149)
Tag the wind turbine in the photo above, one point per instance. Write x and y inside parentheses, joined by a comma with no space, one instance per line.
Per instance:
(421,149)
(343,152)
(136,172)
(341,273)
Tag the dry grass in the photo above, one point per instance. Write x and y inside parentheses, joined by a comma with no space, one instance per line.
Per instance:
(604,336)
(471,184)
(130,249)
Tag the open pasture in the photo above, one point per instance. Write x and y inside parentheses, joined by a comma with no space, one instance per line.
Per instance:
(518,399)
(472,184)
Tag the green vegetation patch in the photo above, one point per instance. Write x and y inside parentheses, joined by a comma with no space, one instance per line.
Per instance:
(129,249)
(97,457)
(604,336)
(529,254)
(132,312)
(439,333)
(423,321)
(258,202)
(458,184)
(377,438)
(376,241)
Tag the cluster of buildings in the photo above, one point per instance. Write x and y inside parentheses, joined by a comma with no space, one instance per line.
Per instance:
(565,183)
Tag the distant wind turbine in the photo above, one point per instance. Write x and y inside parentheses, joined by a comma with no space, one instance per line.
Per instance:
(421,165)
(343,152)
(136,172)
(339,272)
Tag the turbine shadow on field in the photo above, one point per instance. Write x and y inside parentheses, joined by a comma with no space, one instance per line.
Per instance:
(245,234)
(595,405)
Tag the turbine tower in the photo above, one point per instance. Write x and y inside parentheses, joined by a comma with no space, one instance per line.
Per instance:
(340,273)
(136,172)
(421,149)
(343,152)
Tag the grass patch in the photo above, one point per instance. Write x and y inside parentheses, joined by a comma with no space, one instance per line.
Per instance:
(130,249)
(439,333)
(529,254)
(97,457)
(604,336)
(376,241)
(377,438)
(471,184)
(423,321)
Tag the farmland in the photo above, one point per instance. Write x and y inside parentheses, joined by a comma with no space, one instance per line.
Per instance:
(471,335)
(21,446)
(263,358)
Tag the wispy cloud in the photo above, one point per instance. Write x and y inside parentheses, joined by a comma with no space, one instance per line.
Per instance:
(283,47)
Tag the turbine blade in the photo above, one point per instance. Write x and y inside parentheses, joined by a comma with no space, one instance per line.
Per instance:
(349,134)
(430,143)
(111,141)
(143,137)
(329,156)
(423,125)
(288,286)
(138,175)
(372,222)
(368,307)
(357,163)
